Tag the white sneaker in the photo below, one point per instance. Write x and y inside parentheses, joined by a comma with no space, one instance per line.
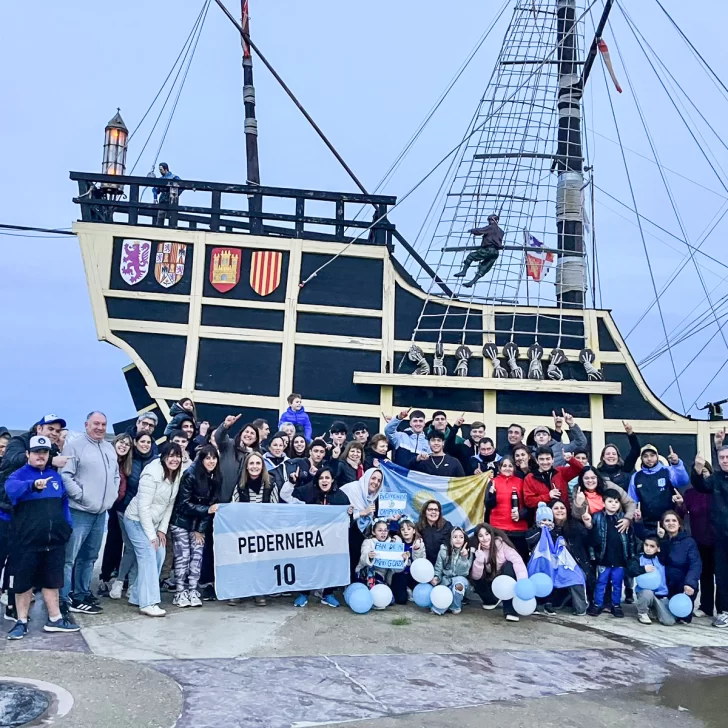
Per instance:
(410,598)
(699,613)
(116,589)
(153,610)
(512,618)
(181,599)
(488,607)
(195,600)
(644,619)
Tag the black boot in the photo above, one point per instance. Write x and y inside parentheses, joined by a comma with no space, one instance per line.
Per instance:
(461,273)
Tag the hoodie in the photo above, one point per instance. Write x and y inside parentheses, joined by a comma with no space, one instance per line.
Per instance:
(645,560)
(91,475)
(299,420)
(407,444)
(42,519)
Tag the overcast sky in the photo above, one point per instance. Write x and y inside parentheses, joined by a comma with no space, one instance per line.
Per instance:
(368,73)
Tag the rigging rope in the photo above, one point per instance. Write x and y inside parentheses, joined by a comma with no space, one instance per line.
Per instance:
(366,230)
(642,235)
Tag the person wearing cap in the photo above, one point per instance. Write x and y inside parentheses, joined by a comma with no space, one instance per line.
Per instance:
(543,437)
(15,457)
(654,485)
(407,444)
(41,527)
(91,477)
(436,462)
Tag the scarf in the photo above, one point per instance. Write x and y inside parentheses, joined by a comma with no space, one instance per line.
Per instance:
(360,497)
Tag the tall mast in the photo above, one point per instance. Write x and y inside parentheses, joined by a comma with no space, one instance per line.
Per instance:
(571,272)
(251,123)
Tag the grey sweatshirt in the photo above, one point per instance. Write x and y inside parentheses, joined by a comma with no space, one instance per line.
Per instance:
(91,475)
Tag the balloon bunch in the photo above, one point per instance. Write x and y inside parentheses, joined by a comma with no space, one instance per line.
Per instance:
(523,592)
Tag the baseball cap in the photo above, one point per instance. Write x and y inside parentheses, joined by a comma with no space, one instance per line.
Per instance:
(50,419)
(541,428)
(39,442)
(649,448)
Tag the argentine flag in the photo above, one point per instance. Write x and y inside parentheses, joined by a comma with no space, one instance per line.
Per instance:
(462,499)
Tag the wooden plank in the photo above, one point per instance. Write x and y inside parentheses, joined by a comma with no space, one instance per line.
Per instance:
(525,385)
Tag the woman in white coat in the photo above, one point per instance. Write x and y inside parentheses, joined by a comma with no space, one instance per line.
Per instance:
(146,520)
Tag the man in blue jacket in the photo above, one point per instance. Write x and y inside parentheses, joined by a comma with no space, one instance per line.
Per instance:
(41,528)
(653,486)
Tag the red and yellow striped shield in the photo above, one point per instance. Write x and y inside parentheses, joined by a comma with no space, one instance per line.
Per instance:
(265,271)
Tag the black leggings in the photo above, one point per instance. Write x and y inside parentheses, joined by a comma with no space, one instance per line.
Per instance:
(113,548)
(401,581)
(484,589)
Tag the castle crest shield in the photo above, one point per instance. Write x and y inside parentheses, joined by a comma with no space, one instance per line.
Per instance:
(265,271)
(225,268)
(169,265)
(134,263)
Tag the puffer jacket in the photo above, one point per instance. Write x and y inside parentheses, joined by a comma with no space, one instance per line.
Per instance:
(682,562)
(299,420)
(191,507)
(138,463)
(503,553)
(152,505)
(446,569)
(717,485)
(178,415)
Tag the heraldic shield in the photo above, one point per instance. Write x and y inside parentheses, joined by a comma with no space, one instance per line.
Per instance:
(170,263)
(265,271)
(225,268)
(134,263)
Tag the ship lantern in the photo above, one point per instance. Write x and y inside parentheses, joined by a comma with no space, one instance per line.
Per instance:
(116,136)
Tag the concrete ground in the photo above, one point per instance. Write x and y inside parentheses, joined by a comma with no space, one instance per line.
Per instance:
(280,667)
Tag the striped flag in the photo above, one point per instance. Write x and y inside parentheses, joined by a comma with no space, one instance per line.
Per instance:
(265,271)
(537,260)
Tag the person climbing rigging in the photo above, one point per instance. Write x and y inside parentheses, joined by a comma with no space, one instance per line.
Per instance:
(487,254)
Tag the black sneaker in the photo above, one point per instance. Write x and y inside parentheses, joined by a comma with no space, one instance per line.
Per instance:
(11,613)
(92,600)
(65,608)
(84,607)
(628,596)
(103,590)
(617,611)
(208,594)
(594,610)
(548,609)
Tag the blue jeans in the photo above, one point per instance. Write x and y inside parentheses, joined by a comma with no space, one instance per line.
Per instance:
(128,566)
(82,551)
(145,590)
(604,574)
(457,594)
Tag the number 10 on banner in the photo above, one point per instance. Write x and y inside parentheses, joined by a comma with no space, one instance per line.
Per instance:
(266,548)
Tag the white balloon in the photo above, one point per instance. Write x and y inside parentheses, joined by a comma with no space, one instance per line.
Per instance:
(382,595)
(422,570)
(441,596)
(524,607)
(504,586)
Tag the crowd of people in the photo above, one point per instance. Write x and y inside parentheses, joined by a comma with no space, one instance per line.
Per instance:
(156,501)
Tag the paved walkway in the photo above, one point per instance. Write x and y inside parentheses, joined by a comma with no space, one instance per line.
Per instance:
(278,667)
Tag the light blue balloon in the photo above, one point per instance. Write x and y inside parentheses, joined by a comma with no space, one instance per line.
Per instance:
(525,589)
(421,595)
(356,586)
(361,601)
(542,583)
(680,605)
(650,580)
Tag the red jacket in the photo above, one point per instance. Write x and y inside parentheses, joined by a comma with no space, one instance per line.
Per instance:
(536,486)
(499,504)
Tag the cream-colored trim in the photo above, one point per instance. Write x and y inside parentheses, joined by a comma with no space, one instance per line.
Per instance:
(145,296)
(129,367)
(592,339)
(149,327)
(596,407)
(189,371)
(136,232)
(340,310)
(432,382)
(490,415)
(634,371)
(339,342)
(388,317)
(289,338)
(149,408)
(705,445)
(386,405)
(488,326)
(232,334)
(237,303)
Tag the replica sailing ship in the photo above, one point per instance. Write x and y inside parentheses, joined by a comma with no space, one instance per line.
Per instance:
(237,295)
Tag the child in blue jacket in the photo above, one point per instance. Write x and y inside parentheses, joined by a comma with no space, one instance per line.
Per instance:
(41,527)
(653,598)
(297,416)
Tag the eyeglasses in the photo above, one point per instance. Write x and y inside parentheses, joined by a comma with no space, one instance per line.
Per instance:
(433,510)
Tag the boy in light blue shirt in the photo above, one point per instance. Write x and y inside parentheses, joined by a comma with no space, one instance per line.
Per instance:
(653,598)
